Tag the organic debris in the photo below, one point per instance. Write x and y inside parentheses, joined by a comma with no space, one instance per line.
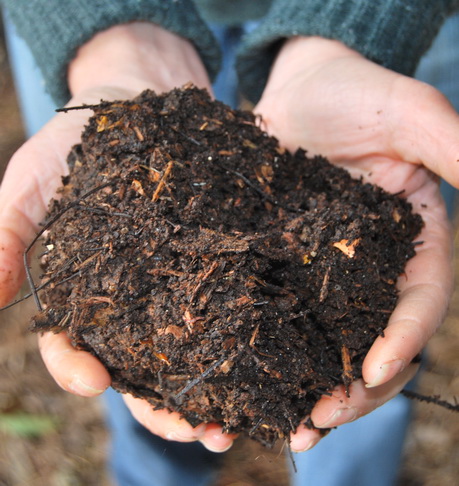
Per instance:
(211,271)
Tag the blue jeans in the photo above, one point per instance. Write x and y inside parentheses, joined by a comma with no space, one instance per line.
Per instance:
(365,452)
(139,458)
(440,68)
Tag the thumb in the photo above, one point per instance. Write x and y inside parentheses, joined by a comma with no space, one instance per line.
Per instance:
(74,370)
(425,128)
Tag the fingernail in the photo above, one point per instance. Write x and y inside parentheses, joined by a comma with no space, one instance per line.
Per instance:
(339,417)
(310,445)
(386,372)
(215,449)
(79,387)
(188,435)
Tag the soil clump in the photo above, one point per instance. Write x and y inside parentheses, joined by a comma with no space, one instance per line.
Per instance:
(211,271)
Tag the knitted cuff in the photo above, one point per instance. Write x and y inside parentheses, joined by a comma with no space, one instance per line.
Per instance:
(54,30)
(393,33)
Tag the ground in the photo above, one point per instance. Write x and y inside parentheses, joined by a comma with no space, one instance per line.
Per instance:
(51,438)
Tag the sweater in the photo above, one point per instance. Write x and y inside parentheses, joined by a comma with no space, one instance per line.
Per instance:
(393,33)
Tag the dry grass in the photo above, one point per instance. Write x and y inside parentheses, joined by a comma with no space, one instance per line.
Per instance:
(62,440)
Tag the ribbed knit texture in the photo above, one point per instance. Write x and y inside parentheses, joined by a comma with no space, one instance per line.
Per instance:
(393,33)
(232,12)
(54,29)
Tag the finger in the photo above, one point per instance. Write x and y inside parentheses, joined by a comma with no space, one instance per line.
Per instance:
(172,426)
(339,408)
(304,439)
(165,424)
(425,289)
(215,440)
(75,371)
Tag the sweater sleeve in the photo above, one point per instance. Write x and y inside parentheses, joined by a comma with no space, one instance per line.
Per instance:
(54,30)
(393,33)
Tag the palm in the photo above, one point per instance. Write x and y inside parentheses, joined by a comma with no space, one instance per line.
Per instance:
(31,180)
(373,122)
(32,177)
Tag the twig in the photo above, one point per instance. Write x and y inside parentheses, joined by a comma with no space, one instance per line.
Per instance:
(47,225)
(256,426)
(430,399)
(65,109)
(190,139)
(260,420)
(347,368)
(162,182)
(103,211)
(199,378)
(261,193)
(290,455)
(324,289)
(44,285)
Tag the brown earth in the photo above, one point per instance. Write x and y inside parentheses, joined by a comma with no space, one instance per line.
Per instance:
(211,271)
(48,437)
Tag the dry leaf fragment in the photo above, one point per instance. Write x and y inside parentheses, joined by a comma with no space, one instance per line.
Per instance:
(137,186)
(102,123)
(348,248)
(264,173)
(162,357)
(176,331)
(138,134)
(280,150)
(227,366)
(249,144)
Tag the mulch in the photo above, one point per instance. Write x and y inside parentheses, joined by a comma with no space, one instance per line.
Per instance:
(48,437)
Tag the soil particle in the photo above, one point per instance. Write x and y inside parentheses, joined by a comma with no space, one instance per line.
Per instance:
(211,271)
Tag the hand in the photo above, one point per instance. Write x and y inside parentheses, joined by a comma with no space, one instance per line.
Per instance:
(116,64)
(395,132)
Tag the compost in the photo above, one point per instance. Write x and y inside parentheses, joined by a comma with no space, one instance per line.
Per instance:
(211,271)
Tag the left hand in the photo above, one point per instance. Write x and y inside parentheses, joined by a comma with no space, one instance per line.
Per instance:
(395,132)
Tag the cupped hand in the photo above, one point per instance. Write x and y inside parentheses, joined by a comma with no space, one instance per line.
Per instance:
(116,64)
(395,132)
(30,182)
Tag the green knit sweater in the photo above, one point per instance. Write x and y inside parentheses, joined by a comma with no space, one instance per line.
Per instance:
(393,33)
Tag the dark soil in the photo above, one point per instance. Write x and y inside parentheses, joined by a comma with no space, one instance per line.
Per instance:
(211,271)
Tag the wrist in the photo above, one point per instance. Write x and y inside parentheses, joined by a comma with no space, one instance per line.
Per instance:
(300,54)
(136,56)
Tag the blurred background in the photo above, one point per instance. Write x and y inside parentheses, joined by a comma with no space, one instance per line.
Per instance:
(51,438)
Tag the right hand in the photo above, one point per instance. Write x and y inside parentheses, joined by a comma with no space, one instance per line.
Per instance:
(116,64)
